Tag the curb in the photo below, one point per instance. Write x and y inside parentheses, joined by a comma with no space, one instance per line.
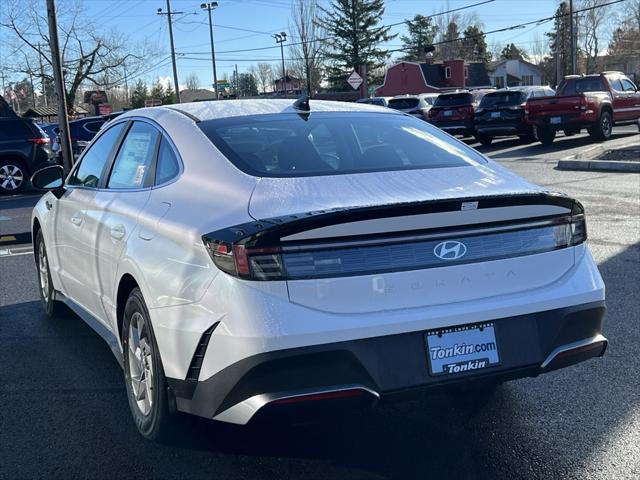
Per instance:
(602,165)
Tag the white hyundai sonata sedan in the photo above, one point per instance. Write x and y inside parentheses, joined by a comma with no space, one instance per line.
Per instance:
(245,257)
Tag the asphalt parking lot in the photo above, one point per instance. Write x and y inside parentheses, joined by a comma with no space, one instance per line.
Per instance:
(65,415)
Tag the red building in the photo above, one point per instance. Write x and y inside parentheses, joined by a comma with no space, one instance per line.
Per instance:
(412,78)
(292,84)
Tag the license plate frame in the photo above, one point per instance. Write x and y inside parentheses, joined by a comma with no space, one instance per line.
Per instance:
(496,114)
(449,350)
(448,113)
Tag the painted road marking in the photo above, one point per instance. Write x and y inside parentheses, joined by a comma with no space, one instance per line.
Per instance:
(14,252)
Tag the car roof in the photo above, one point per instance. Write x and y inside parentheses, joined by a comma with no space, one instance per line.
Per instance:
(215,109)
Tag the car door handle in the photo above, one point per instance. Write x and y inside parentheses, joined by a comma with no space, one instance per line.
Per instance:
(76,220)
(118,232)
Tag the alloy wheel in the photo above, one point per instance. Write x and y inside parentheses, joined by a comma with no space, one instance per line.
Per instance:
(141,363)
(43,270)
(11,177)
(606,126)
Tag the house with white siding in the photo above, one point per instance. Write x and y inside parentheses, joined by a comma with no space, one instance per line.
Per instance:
(515,73)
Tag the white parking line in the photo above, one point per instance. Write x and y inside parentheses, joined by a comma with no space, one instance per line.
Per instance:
(14,252)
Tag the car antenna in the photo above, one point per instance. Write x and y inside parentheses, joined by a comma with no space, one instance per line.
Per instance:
(302,105)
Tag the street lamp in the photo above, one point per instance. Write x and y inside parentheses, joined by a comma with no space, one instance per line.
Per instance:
(209,7)
(281,38)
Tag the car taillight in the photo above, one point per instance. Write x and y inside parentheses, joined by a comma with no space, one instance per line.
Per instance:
(246,262)
(39,140)
(434,112)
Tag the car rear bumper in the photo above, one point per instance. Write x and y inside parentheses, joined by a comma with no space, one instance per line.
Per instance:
(503,128)
(572,120)
(385,367)
(455,127)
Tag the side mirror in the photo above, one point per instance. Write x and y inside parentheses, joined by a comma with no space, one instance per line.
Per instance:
(48,178)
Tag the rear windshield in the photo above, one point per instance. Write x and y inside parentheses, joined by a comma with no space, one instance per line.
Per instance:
(290,145)
(499,99)
(403,103)
(575,86)
(453,100)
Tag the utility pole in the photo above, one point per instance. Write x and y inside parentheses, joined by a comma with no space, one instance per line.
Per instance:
(573,40)
(42,80)
(281,38)
(209,7)
(63,120)
(235,80)
(173,50)
(126,83)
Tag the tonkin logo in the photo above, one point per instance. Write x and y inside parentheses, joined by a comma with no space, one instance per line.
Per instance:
(450,250)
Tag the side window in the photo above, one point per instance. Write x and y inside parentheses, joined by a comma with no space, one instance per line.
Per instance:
(135,157)
(628,85)
(616,84)
(167,167)
(89,172)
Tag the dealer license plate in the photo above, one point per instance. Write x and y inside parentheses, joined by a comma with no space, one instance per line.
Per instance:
(448,113)
(555,120)
(462,349)
(495,114)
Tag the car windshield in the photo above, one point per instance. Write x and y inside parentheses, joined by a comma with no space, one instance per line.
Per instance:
(576,86)
(323,143)
(507,98)
(403,103)
(453,100)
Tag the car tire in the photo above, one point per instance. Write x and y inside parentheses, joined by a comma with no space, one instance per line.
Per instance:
(147,389)
(13,176)
(546,136)
(602,130)
(527,138)
(484,139)
(47,292)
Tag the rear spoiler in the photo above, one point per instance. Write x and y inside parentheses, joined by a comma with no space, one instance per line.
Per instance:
(266,233)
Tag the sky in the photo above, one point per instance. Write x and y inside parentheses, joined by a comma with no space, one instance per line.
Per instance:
(248,24)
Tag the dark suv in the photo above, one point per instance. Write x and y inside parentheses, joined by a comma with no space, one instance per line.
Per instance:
(24,148)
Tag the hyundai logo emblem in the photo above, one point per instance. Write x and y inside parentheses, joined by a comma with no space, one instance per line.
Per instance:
(450,250)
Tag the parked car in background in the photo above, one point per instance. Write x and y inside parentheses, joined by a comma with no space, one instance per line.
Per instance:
(416,105)
(342,254)
(501,113)
(454,112)
(595,102)
(380,101)
(24,148)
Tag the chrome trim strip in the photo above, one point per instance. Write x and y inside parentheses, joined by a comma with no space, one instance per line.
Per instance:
(572,346)
(564,219)
(242,412)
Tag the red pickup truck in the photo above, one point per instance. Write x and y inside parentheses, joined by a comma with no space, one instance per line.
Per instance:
(595,102)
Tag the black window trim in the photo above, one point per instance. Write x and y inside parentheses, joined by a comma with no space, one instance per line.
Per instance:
(150,180)
(102,186)
(106,167)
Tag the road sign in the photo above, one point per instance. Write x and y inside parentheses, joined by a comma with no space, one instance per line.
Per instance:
(355,80)
(152,102)
(223,84)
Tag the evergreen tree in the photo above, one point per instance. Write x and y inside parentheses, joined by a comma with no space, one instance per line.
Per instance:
(247,85)
(421,32)
(157,90)
(169,96)
(452,46)
(140,94)
(560,43)
(511,52)
(354,36)
(474,45)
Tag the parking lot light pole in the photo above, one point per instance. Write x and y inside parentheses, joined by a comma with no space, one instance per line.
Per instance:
(209,7)
(281,38)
